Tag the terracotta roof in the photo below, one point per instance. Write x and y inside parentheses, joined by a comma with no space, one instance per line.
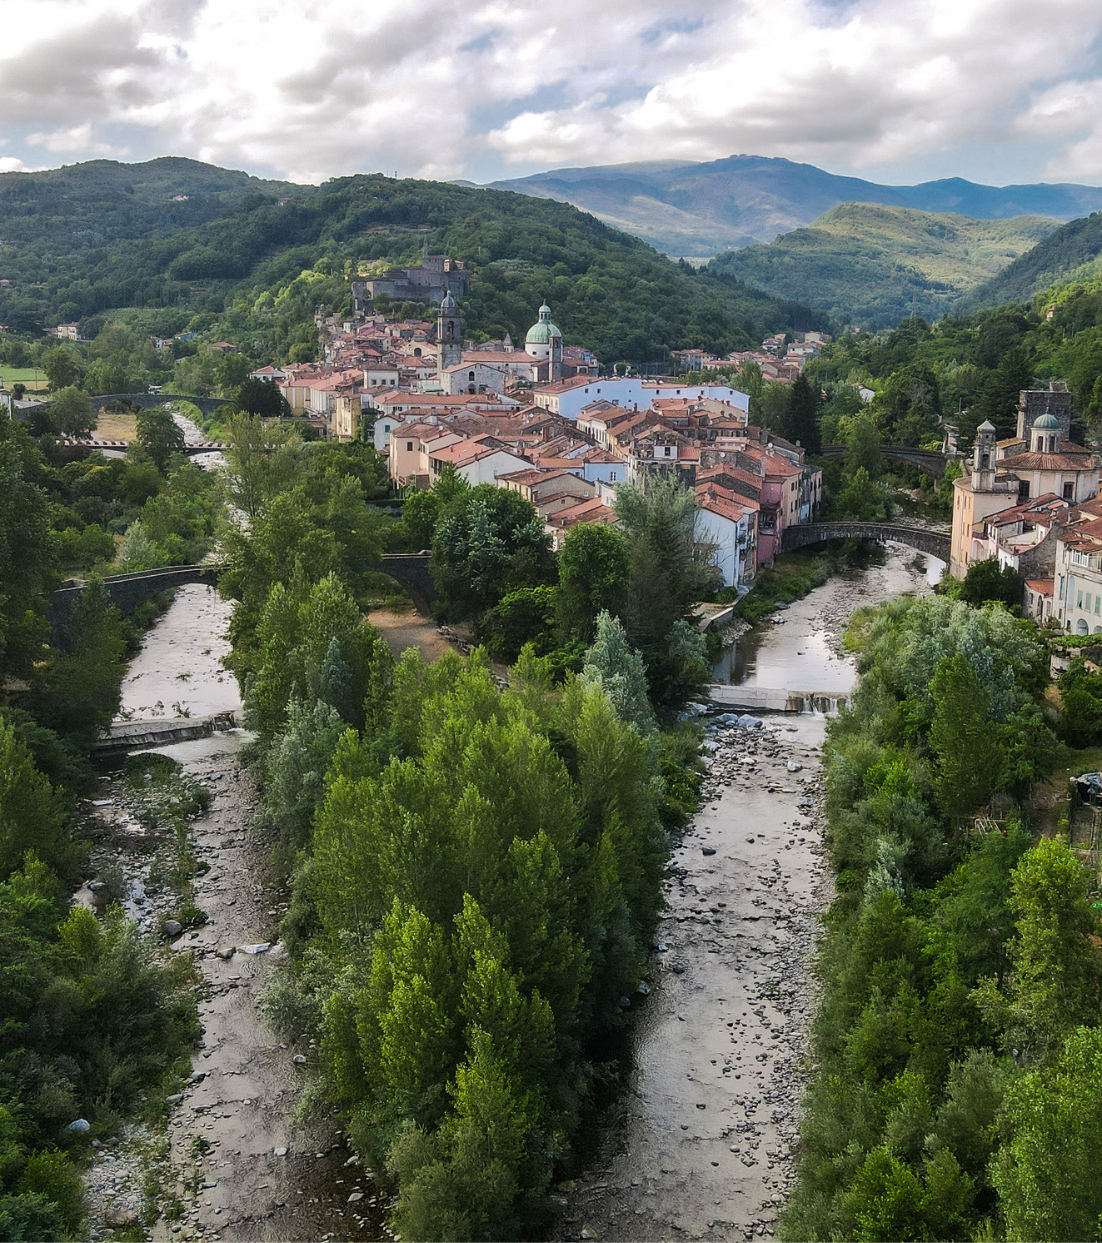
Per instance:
(1043,586)
(593,510)
(1047,461)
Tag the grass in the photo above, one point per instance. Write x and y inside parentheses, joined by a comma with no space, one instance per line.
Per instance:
(32,377)
(791,578)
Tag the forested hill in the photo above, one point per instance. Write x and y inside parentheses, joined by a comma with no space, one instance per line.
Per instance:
(257,271)
(1072,253)
(874,265)
(85,206)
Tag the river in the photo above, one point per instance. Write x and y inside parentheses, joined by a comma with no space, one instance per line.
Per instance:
(234,1161)
(699,1142)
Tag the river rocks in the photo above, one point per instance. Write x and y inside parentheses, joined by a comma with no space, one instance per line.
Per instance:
(707,850)
(173,927)
(80,1126)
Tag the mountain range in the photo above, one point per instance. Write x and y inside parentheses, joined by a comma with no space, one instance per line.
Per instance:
(699,210)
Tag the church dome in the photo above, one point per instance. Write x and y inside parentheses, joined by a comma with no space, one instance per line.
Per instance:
(1047,423)
(541,333)
(449,303)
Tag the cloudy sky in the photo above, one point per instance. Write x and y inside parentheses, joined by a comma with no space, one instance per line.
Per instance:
(893,90)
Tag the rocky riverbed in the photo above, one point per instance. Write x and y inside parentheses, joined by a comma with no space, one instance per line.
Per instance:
(699,1145)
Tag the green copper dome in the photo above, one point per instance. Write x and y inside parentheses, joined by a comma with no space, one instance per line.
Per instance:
(541,333)
(1047,423)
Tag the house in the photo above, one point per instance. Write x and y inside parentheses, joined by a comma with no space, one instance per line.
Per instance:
(593,511)
(728,523)
(569,397)
(548,489)
(480,459)
(67,332)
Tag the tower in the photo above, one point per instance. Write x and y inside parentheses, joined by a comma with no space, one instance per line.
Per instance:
(449,335)
(983,458)
(1045,435)
(544,342)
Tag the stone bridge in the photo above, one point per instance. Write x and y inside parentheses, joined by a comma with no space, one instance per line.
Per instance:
(936,543)
(147,401)
(929,461)
(127,591)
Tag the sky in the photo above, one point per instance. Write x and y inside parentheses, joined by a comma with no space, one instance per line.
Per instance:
(892,90)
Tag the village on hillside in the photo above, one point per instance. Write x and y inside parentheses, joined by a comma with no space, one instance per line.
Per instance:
(542,420)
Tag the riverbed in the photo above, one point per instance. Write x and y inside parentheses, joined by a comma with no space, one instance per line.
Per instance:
(234,1161)
(699,1142)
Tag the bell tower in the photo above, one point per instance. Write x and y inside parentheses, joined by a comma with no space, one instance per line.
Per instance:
(449,335)
(983,458)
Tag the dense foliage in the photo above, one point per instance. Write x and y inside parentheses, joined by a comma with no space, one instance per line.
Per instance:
(962,974)
(874,265)
(92,1020)
(257,272)
(1068,255)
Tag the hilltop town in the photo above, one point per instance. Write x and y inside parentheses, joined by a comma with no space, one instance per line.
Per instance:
(539,418)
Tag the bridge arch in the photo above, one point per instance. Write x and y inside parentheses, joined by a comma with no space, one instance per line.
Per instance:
(127,591)
(930,461)
(934,543)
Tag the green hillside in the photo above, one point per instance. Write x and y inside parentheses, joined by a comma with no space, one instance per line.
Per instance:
(872,265)
(1071,253)
(256,272)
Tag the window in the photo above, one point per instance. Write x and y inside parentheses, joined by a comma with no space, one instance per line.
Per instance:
(1081,627)
(409,446)
(1088,601)
(1069,491)
(1079,600)
(1097,602)
(612,476)
(668,452)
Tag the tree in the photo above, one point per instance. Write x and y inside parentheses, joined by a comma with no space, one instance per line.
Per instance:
(671,571)
(71,412)
(160,435)
(1048,1172)
(987,581)
(593,578)
(261,460)
(612,665)
(863,445)
(803,414)
(965,746)
(32,813)
(1055,955)
(861,499)
(62,367)
(256,396)
(27,554)
(77,695)
(231,372)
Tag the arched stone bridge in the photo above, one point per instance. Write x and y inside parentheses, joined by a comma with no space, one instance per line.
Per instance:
(147,401)
(929,461)
(127,591)
(936,543)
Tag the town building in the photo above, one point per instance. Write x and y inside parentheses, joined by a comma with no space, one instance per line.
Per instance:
(1039,462)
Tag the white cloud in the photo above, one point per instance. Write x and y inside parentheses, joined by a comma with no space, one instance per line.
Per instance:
(75,141)
(443,88)
(11,164)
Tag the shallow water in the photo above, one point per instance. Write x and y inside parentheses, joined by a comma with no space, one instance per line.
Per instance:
(699,1142)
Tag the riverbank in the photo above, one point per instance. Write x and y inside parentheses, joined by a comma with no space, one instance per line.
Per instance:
(232,1159)
(698,1144)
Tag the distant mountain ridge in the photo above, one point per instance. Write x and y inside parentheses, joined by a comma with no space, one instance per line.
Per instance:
(872,265)
(699,210)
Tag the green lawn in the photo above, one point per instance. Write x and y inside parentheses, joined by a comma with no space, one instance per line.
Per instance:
(30,376)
